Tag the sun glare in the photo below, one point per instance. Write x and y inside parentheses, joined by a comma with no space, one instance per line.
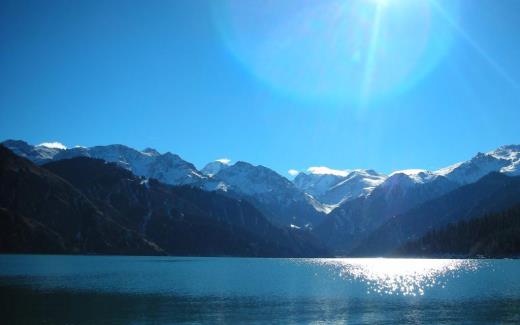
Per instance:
(396,276)
(357,50)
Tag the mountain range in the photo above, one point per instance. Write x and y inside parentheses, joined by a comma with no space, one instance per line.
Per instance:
(343,209)
(86,205)
(492,193)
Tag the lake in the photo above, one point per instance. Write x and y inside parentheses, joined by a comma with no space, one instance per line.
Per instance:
(48,289)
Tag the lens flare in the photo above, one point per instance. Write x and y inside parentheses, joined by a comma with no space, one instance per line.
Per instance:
(331,49)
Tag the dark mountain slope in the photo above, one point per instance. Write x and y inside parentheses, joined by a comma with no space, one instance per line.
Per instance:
(182,220)
(492,193)
(273,195)
(494,235)
(25,235)
(279,200)
(41,212)
(349,224)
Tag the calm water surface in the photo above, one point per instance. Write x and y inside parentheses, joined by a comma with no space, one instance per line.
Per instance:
(39,289)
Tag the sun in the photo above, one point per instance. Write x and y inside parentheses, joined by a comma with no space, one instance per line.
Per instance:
(335,50)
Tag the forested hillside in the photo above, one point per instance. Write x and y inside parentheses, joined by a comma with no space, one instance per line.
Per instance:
(494,235)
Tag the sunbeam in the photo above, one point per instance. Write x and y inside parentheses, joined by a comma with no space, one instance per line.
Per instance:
(462,33)
(369,66)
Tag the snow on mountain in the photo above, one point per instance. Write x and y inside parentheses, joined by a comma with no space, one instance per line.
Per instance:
(171,169)
(405,184)
(358,183)
(39,154)
(505,159)
(211,184)
(273,194)
(167,168)
(251,180)
(332,187)
(316,184)
(415,176)
(404,190)
(347,224)
(214,167)
(320,189)
(151,152)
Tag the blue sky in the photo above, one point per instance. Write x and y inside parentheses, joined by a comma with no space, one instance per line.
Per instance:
(286,86)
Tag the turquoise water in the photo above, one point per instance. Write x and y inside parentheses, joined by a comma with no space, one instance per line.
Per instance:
(39,289)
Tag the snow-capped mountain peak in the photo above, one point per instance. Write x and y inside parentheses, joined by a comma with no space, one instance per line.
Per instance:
(316,184)
(40,154)
(167,168)
(151,152)
(418,176)
(512,154)
(505,159)
(250,179)
(333,187)
(274,194)
(216,166)
(509,152)
(313,192)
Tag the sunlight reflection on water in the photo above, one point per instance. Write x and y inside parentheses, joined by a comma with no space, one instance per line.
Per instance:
(36,289)
(406,277)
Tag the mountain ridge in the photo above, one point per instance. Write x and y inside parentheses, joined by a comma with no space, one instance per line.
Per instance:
(311,198)
(490,194)
(39,206)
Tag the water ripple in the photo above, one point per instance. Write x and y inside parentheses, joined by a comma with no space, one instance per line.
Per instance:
(406,277)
